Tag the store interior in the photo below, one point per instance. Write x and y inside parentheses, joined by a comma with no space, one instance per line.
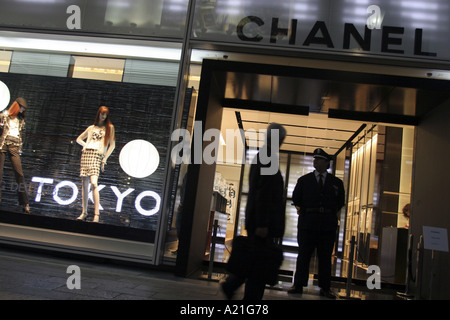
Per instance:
(356,120)
(304,133)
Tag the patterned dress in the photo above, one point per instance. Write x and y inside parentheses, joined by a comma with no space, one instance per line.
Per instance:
(91,159)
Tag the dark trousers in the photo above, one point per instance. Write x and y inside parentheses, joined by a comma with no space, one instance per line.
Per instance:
(14,156)
(254,287)
(254,283)
(308,240)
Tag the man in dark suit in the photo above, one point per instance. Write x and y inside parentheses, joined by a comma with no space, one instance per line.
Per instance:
(265,211)
(318,197)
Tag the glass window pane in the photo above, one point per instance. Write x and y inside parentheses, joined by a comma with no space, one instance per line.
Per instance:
(44,64)
(156,18)
(97,68)
(151,72)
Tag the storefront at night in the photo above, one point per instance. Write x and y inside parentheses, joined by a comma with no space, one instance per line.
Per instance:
(368,82)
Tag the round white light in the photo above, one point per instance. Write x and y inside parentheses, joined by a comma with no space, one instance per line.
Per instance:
(139,158)
(4,96)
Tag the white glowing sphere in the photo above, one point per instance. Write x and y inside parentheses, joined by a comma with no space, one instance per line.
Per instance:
(4,96)
(139,158)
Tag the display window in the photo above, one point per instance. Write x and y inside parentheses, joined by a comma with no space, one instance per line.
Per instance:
(65,118)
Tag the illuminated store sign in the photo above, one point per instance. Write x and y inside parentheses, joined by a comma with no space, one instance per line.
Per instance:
(138,158)
(403,28)
(391,37)
(45,182)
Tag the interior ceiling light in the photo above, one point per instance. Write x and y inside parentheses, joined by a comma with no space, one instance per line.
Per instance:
(12,41)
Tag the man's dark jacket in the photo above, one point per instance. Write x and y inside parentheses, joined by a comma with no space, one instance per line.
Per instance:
(308,196)
(265,203)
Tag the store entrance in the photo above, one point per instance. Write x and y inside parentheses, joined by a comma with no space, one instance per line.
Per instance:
(304,134)
(365,122)
(355,146)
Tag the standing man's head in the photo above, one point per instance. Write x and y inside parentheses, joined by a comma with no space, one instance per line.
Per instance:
(268,155)
(275,130)
(321,160)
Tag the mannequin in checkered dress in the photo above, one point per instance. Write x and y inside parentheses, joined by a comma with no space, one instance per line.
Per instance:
(98,142)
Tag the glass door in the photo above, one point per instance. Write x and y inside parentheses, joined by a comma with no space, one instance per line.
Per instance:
(359,220)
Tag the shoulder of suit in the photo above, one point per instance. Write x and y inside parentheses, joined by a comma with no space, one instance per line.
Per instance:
(335,179)
(307,176)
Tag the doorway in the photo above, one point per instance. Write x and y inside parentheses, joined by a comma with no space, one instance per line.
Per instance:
(358,102)
(358,149)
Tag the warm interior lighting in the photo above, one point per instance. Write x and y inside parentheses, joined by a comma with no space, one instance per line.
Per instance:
(99,70)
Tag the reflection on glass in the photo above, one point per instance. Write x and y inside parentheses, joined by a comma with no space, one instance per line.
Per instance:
(134,13)
(429,15)
(221,18)
(158,18)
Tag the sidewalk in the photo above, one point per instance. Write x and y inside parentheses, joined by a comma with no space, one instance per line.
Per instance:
(28,275)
